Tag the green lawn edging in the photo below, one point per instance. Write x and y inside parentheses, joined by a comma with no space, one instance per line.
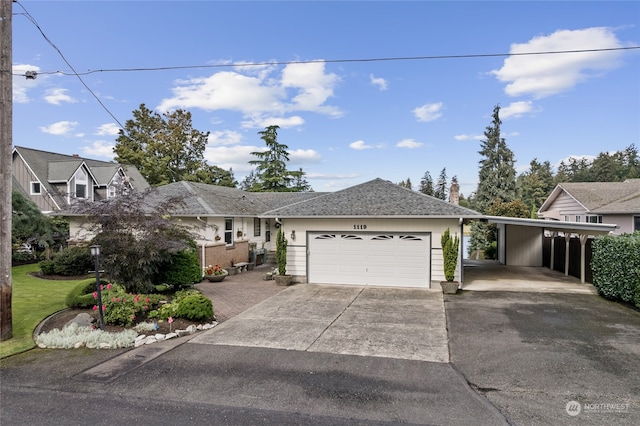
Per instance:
(33,300)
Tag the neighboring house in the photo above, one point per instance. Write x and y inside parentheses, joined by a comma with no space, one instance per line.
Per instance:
(54,181)
(374,233)
(596,202)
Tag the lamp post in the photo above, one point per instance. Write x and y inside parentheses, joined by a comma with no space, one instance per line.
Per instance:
(95,252)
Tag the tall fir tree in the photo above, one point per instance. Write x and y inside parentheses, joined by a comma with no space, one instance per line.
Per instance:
(441,189)
(426,184)
(271,174)
(496,183)
(497,176)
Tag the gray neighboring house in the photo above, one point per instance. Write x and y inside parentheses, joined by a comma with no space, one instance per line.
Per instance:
(596,202)
(375,233)
(54,181)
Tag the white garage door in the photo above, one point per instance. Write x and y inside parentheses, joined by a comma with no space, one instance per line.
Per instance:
(385,259)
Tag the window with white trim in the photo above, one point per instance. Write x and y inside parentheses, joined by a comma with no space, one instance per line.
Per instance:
(228,230)
(36,189)
(594,219)
(81,182)
(257,227)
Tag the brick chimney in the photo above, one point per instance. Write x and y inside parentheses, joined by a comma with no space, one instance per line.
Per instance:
(454,192)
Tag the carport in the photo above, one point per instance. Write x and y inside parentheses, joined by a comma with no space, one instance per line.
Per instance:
(520,241)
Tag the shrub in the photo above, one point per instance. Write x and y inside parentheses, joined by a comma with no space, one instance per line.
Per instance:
(616,266)
(195,307)
(47,267)
(73,261)
(450,247)
(82,295)
(122,308)
(182,269)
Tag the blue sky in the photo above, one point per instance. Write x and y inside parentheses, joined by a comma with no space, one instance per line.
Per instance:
(344,122)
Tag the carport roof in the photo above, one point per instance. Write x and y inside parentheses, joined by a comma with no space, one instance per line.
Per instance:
(557,225)
(376,198)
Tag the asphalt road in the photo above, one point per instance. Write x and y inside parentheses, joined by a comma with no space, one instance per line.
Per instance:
(530,354)
(516,358)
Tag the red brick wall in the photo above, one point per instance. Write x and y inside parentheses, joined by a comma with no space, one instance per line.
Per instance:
(220,254)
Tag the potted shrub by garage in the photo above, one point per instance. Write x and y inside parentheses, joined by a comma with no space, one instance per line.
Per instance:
(450,247)
(281,259)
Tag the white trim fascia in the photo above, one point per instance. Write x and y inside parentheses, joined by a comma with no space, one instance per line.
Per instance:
(558,225)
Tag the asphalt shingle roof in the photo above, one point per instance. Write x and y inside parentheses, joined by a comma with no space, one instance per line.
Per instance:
(606,197)
(374,198)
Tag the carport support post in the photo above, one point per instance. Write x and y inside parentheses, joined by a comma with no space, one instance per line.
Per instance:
(553,250)
(583,260)
(567,239)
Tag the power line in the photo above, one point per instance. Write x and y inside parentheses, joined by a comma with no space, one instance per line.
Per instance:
(32,75)
(383,59)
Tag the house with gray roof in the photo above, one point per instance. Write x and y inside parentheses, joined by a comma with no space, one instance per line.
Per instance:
(54,181)
(596,202)
(375,233)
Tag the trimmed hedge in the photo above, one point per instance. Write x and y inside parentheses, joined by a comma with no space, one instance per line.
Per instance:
(616,267)
(183,269)
(195,307)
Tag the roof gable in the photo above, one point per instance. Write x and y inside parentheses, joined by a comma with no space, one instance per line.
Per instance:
(376,198)
(600,197)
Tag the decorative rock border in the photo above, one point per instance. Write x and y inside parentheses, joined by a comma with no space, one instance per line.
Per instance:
(144,339)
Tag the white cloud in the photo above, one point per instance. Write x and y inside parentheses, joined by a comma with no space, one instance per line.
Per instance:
(262,122)
(108,129)
(58,96)
(428,112)
(314,87)
(409,143)
(236,157)
(20,83)
(99,149)
(255,92)
(331,176)
(60,128)
(360,145)
(545,75)
(468,137)
(225,137)
(304,156)
(516,109)
(378,81)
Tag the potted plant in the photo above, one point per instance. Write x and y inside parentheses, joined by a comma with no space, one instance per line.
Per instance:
(281,259)
(215,273)
(450,247)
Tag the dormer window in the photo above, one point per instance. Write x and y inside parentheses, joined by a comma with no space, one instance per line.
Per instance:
(81,183)
(35,188)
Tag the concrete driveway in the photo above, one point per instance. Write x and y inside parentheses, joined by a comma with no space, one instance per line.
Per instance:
(488,275)
(348,320)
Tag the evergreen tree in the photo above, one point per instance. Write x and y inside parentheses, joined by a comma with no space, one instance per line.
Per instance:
(497,182)
(406,184)
(441,190)
(497,177)
(426,184)
(535,185)
(271,174)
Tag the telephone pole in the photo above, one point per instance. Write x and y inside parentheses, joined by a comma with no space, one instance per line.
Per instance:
(6,129)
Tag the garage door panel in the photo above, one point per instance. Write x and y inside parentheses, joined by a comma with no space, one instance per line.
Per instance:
(386,259)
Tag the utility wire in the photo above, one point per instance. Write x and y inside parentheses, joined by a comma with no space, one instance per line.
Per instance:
(34,22)
(387,59)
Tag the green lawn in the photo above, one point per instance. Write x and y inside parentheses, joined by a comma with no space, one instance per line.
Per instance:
(33,299)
